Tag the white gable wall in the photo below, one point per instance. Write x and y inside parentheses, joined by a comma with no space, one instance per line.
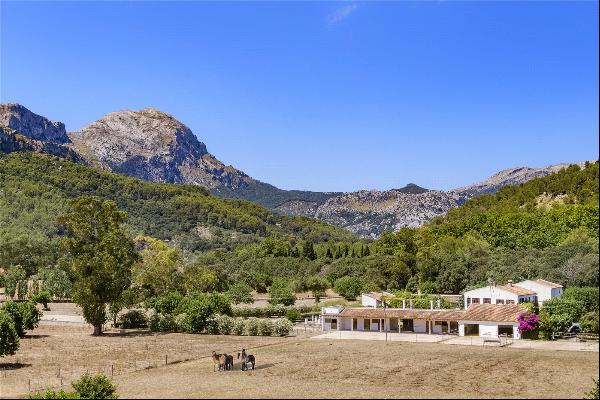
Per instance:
(544,292)
(489,292)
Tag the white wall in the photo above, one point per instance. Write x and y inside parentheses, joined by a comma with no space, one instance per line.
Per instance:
(368,301)
(488,328)
(544,293)
(420,326)
(492,292)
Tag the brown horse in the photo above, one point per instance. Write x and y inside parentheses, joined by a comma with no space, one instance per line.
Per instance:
(218,359)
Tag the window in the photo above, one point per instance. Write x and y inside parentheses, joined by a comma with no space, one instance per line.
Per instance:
(475,301)
(468,301)
(487,300)
(367,325)
(510,302)
(499,301)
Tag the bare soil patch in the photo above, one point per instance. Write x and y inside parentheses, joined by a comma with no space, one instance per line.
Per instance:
(296,367)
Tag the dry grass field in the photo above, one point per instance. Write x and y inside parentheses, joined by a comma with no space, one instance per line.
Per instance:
(292,367)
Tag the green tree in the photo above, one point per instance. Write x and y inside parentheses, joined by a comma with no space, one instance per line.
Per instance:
(198,279)
(308,250)
(9,338)
(157,267)
(317,285)
(43,297)
(12,277)
(56,281)
(281,292)
(348,287)
(240,293)
(101,256)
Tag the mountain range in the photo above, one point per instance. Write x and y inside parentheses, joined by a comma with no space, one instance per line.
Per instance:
(152,145)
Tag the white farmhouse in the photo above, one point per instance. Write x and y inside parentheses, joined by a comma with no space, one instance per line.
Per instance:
(492,294)
(545,290)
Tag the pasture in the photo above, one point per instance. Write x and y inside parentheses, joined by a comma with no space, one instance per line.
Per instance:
(290,367)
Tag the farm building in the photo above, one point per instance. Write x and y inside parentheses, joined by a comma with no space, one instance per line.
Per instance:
(486,320)
(535,291)
(545,290)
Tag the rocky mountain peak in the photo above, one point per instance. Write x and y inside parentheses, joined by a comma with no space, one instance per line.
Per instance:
(152,145)
(32,125)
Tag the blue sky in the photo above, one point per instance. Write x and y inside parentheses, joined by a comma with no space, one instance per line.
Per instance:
(325,95)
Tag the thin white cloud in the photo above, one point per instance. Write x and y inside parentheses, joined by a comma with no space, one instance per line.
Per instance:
(341,14)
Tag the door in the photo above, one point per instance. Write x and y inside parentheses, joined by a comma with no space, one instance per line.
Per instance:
(407,325)
(394,324)
(354,324)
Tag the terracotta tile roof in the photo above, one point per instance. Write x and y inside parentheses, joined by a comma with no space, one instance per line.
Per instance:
(517,290)
(548,283)
(493,312)
(475,312)
(431,315)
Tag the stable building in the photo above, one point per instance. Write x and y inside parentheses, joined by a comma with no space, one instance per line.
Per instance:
(484,320)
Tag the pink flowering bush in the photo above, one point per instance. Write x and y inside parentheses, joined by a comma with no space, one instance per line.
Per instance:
(527,321)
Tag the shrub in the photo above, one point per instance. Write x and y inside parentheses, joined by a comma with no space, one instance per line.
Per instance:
(252,326)
(95,387)
(240,293)
(281,292)
(9,338)
(527,321)
(162,323)
(265,327)
(282,327)
(165,304)
(239,326)
(293,315)
(54,394)
(225,324)
(133,319)
(16,314)
(212,325)
(182,323)
(42,298)
(589,322)
(31,314)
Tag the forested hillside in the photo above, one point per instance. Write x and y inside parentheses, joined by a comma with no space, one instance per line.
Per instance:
(36,188)
(546,228)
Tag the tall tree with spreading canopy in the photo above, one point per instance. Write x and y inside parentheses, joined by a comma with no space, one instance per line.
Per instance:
(100,254)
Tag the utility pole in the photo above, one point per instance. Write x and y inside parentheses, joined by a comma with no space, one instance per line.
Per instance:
(384,315)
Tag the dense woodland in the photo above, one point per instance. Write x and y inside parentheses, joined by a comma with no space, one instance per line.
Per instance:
(190,241)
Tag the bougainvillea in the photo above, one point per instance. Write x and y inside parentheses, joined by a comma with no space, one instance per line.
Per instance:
(527,321)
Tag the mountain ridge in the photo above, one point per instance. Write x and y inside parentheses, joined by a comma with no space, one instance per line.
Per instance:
(153,145)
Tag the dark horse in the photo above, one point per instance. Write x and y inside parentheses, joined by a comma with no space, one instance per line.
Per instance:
(246,359)
(228,362)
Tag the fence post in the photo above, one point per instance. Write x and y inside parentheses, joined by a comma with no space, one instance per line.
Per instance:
(29,383)
(166,359)
(112,370)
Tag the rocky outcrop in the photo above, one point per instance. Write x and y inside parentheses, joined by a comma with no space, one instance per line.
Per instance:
(510,176)
(369,213)
(31,125)
(152,145)
(12,141)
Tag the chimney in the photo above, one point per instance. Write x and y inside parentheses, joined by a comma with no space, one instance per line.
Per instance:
(411,304)
(431,304)
(404,304)
(510,283)
(439,305)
